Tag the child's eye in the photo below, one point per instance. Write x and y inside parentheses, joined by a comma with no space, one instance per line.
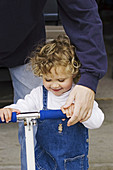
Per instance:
(48,80)
(61,80)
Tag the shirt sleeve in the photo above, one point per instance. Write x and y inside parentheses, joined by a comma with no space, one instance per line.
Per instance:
(31,102)
(83,25)
(96,119)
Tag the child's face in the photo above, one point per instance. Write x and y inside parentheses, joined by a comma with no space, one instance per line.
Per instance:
(58,82)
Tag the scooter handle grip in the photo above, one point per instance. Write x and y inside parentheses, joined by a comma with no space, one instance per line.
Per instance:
(52,114)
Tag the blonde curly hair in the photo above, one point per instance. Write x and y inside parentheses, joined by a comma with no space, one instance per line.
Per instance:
(58,52)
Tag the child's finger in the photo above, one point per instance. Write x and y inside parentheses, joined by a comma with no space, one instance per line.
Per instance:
(9,114)
(68,112)
(63,120)
(2,117)
(63,110)
(7,117)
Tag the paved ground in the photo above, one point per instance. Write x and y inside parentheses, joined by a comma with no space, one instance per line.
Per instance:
(101,140)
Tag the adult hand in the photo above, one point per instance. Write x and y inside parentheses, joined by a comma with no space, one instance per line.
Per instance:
(83,98)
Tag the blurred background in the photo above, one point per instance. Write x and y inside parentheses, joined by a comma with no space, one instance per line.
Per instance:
(101,140)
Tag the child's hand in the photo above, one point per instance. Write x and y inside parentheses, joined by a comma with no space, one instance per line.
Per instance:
(68,111)
(6,114)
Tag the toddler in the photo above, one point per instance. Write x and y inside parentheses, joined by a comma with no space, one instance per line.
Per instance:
(59,146)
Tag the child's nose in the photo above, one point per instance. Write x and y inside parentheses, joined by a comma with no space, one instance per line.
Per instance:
(55,85)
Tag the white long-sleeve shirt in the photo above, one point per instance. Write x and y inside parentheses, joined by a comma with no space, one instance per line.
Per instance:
(34,102)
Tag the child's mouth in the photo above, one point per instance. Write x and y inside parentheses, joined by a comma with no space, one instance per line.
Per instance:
(56,90)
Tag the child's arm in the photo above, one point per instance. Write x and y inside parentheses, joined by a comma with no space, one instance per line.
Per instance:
(6,113)
(96,119)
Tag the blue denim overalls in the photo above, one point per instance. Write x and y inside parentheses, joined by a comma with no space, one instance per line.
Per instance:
(60,147)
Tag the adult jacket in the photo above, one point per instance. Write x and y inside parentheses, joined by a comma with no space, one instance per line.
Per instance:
(22,25)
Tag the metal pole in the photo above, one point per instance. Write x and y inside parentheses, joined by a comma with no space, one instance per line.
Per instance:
(29,144)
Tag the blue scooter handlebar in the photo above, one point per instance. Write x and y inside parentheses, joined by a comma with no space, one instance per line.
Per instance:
(42,115)
(52,114)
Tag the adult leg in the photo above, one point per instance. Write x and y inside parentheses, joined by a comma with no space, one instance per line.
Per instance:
(23,82)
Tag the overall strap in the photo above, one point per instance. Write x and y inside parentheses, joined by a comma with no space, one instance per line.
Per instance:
(45,96)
